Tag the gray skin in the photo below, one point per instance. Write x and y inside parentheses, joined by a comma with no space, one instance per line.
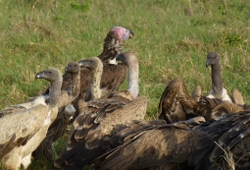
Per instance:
(213,59)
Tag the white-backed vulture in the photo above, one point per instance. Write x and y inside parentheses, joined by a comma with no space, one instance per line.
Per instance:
(66,111)
(114,74)
(23,130)
(226,145)
(144,145)
(218,93)
(97,119)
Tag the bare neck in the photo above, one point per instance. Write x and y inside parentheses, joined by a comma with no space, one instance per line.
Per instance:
(55,92)
(130,60)
(96,82)
(217,83)
(133,76)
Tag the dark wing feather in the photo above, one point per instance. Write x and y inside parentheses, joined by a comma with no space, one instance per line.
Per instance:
(113,76)
(170,107)
(225,136)
(143,145)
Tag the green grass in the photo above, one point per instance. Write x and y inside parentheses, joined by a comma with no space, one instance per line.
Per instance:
(171,40)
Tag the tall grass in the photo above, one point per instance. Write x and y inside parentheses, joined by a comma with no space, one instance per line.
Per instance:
(172,39)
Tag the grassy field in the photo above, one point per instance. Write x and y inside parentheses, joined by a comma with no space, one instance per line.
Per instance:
(172,39)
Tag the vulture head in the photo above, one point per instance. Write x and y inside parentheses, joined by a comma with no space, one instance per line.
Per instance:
(92,63)
(113,44)
(72,67)
(122,33)
(212,59)
(51,75)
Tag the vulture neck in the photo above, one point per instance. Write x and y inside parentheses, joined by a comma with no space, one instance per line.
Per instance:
(55,92)
(217,83)
(96,82)
(133,76)
(75,84)
(111,48)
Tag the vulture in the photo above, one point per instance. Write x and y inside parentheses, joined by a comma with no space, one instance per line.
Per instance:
(114,73)
(217,91)
(151,145)
(66,112)
(99,118)
(204,105)
(226,145)
(24,126)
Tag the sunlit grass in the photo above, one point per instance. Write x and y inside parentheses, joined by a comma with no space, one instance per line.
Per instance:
(172,39)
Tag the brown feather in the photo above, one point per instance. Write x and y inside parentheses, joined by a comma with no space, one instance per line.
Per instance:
(226,143)
(93,141)
(237,97)
(196,94)
(170,107)
(145,145)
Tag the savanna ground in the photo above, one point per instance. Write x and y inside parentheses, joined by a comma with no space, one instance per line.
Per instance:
(171,40)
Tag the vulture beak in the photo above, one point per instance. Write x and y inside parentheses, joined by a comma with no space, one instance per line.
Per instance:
(67,68)
(207,63)
(131,34)
(39,75)
(82,63)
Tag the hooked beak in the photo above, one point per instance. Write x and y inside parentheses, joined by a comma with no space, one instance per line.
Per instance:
(131,34)
(207,63)
(67,68)
(81,63)
(39,75)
